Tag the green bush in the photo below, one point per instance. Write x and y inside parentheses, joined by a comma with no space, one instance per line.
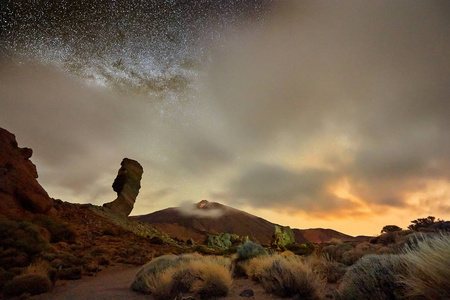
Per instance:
(32,284)
(374,277)
(249,250)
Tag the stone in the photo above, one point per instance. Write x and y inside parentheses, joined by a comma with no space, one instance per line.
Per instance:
(20,192)
(156,241)
(247,293)
(126,185)
(282,236)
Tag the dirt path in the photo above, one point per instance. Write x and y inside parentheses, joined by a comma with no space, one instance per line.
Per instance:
(115,282)
(111,283)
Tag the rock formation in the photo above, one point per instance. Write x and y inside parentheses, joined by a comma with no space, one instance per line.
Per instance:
(20,192)
(126,185)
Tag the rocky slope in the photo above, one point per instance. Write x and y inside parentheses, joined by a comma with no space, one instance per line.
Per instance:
(199,220)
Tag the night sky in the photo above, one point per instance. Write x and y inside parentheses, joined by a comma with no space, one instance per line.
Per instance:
(332,114)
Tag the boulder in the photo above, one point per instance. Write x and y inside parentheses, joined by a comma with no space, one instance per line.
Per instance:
(126,185)
(20,192)
(282,236)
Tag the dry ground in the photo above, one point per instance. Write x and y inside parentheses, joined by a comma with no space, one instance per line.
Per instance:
(114,283)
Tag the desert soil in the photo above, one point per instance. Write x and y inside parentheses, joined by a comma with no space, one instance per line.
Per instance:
(114,283)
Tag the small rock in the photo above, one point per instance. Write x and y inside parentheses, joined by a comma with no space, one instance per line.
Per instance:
(247,293)
(156,241)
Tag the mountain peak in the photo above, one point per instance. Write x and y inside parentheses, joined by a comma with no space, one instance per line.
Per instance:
(202,204)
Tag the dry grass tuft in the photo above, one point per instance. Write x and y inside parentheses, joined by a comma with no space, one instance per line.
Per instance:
(374,277)
(428,265)
(41,267)
(332,270)
(285,276)
(167,276)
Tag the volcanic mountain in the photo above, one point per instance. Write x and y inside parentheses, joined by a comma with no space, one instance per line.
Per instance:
(198,220)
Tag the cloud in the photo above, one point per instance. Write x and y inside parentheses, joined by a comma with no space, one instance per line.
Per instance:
(367,71)
(162,193)
(189,209)
(271,186)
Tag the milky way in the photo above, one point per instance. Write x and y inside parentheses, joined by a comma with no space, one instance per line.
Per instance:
(147,46)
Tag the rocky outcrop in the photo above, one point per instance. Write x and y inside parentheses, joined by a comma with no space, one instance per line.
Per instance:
(126,185)
(282,236)
(20,192)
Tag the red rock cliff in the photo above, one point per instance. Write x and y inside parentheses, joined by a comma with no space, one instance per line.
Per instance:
(20,192)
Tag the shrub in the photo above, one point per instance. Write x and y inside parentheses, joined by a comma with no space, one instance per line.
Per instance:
(249,250)
(331,270)
(353,255)
(301,249)
(286,276)
(374,277)
(167,276)
(413,240)
(423,223)
(428,267)
(60,231)
(336,252)
(23,236)
(156,266)
(215,278)
(40,267)
(391,228)
(28,283)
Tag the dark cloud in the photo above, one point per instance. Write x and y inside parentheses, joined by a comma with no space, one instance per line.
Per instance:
(162,193)
(273,186)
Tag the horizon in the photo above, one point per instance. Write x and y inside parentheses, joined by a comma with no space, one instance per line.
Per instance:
(307,114)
